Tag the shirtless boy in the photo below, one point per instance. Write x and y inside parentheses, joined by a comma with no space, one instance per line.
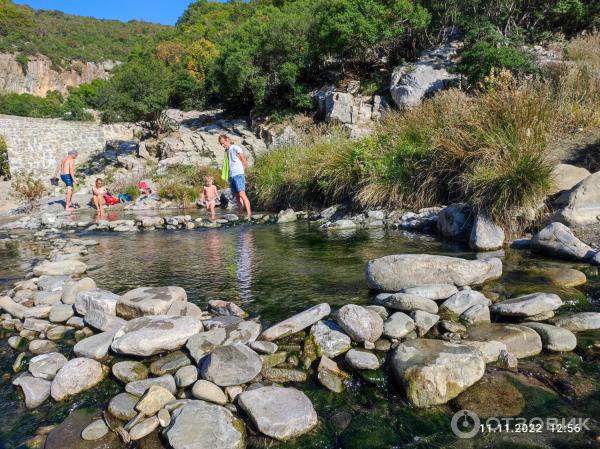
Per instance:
(67,174)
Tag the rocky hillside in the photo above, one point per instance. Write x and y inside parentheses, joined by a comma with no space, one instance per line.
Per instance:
(42,51)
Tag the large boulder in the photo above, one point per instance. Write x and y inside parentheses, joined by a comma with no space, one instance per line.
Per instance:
(201,425)
(281,413)
(201,344)
(412,82)
(520,340)
(96,299)
(65,267)
(75,376)
(485,234)
(154,334)
(231,365)
(360,323)
(393,273)
(434,371)
(455,222)
(565,177)
(559,241)
(527,305)
(583,203)
(144,301)
(297,322)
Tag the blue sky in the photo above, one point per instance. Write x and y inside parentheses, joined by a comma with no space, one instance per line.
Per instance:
(158,11)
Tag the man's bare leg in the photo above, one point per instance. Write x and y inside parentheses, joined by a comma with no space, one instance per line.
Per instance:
(68,200)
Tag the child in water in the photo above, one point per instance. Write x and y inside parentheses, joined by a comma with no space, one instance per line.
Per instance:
(210,196)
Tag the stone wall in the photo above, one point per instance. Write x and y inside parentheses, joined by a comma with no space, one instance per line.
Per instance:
(40,77)
(38,144)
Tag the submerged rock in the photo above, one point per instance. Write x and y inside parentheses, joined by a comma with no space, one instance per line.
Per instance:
(360,323)
(528,305)
(492,396)
(145,301)
(520,340)
(231,365)
(434,371)
(396,272)
(201,425)
(154,334)
(297,322)
(281,413)
(75,376)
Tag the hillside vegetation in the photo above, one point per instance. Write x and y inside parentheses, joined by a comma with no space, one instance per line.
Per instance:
(63,37)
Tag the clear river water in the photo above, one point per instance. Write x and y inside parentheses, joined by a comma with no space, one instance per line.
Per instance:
(273,271)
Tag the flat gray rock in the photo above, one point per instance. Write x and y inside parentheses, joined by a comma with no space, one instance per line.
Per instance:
(52,283)
(60,313)
(330,338)
(406,302)
(75,376)
(208,391)
(281,413)
(434,371)
(95,347)
(36,390)
(527,305)
(297,322)
(95,430)
(170,363)
(231,365)
(130,371)
(396,272)
(398,325)
(424,321)
(554,338)
(122,406)
(432,291)
(264,347)
(66,267)
(201,425)
(96,299)
(579,322)
(154,334)
(139,387)
(103,321)
(454,306)
(43,298)
(45,366)
(360,323)
(145,301)
(520,340)
(203,343)
(559,241)
(186,376)
(362,359)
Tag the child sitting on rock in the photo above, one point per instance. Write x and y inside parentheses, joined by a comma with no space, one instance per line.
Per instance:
(98,192)
(210,196)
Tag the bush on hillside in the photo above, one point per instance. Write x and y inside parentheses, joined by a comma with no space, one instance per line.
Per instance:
(4,167)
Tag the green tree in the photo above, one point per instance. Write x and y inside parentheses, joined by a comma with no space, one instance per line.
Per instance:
(139,91)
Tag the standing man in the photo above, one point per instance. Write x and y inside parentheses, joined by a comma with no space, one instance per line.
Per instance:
(67,174)
(237,180)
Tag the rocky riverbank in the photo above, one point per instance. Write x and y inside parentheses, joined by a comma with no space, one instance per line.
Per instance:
(181,368)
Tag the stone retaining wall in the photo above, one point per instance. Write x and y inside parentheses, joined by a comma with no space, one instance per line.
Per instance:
(37,144)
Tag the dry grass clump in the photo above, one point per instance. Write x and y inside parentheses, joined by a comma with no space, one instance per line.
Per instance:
(184,183)
(489,149)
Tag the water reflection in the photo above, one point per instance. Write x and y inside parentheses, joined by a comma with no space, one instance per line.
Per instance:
(244,264)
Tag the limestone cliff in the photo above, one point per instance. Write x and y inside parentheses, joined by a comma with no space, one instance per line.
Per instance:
(41,78)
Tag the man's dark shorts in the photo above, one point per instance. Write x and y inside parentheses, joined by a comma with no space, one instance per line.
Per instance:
(67,179)
(237,184)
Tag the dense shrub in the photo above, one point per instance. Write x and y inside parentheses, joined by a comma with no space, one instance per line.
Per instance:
(28,188)
(4,167)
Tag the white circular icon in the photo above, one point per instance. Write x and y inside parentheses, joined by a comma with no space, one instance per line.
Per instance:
(465,424)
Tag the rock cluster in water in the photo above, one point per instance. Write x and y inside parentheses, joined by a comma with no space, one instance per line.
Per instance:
(210,378)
